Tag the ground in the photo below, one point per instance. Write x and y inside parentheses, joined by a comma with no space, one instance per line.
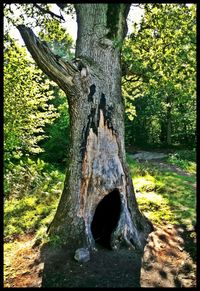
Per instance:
(166,263)
(169,260)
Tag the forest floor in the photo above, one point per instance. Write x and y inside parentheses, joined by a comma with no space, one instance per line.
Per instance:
(166,263)
(169,260)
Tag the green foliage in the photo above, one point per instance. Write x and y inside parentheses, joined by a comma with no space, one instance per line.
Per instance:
(42,18)
(32,190)
(60,42)
(159,67)
(57,141)
(27,103)
(36,119)
(184,159)
(56,145)
(33,14)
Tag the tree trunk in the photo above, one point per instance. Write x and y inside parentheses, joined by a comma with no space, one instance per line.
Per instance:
(98,202)
(169,125)
(166,126)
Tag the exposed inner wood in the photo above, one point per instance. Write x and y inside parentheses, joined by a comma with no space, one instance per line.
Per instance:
(102,173)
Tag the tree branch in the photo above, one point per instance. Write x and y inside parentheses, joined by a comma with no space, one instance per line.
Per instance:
(53,66)
(45,11)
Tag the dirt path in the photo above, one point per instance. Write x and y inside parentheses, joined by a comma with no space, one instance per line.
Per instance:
(23,264)
(169,167)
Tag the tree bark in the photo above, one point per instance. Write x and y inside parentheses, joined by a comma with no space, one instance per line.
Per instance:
(169,125)
(97,164)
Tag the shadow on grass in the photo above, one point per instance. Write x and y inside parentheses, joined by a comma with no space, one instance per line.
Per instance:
(178,206)
(189,240)
(167,198)
(182,202)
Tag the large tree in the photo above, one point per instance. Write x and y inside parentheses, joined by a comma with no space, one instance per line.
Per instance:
(98,202)
(161,78)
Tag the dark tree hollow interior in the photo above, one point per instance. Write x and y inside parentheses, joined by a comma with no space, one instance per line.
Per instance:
(105,218)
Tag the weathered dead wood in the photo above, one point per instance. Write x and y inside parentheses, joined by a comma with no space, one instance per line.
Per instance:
(60,71)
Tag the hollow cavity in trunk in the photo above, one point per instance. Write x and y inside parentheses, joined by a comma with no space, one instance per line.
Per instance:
(105,218)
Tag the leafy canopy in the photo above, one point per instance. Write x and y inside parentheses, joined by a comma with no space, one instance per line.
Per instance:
(27,102)
(159,67)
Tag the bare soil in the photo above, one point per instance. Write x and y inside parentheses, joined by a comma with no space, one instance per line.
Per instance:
(168,261)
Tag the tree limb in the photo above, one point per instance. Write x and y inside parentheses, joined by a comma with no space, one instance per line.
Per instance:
(45,11)
(53,66)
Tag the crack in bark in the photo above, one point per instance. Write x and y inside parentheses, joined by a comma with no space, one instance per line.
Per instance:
(92,92)
(94,122)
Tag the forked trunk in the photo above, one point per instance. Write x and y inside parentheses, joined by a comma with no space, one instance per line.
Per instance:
(98,203)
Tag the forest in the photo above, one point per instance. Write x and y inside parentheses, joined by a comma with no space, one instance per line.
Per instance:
(158,89)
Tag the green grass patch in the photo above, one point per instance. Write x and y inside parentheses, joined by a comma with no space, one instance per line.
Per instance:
(184,159)
(34,188)
(31,198)
(164,196)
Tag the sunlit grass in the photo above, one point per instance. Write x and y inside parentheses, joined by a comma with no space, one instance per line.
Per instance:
(32,212)
(184,159)
(164,196)
(155,207)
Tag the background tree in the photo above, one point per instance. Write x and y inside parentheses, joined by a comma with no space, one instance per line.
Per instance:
(160,80)
(57,133)
(28,104)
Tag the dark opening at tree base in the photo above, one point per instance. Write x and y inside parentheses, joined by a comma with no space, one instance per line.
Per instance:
(106,218)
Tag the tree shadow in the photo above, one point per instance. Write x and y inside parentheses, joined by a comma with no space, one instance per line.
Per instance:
(189,241)
(169,258)
(165,262)
(106,268)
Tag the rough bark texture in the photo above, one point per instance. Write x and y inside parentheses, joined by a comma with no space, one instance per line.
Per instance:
(97,163)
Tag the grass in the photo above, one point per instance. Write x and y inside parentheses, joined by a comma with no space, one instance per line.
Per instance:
(184,159)
(32,196)
(32,191)
(31,199)
(164,196)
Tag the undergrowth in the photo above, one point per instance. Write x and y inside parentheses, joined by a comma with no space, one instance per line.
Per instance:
(184,159)
(31,190)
